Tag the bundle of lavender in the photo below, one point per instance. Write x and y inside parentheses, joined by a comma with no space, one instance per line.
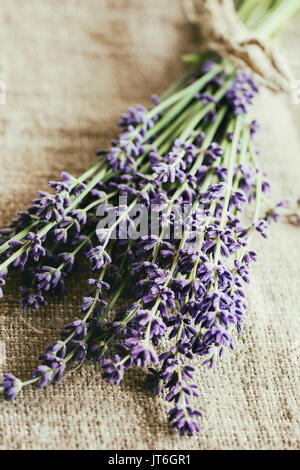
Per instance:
(179,197)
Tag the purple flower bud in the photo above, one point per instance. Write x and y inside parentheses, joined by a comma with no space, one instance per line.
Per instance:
(98,257)
(78,327)
(52,369)
(143,354)
(262,228)
(242,92)
(11,386)
(113,370)
(31,298)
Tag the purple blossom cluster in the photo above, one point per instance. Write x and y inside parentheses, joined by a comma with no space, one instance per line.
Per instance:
(187,289)
(133,138)
(241,94)
(203,277)
(10,386)
(43,244)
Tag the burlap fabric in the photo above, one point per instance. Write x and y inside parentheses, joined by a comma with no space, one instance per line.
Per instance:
(71,67)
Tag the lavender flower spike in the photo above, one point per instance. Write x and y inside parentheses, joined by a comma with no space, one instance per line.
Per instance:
(10,386)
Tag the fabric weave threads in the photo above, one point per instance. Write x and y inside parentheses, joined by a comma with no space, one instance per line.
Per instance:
(71,69)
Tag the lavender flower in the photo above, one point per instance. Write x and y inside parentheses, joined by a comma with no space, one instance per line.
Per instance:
(143,354)
(49,207)
(52,369)
(31,298)
(113,370)
(195,162)
(242,92)
(10,386)
(47,278)
(98,257)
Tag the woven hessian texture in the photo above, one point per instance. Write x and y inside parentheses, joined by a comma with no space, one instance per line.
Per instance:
(71,68)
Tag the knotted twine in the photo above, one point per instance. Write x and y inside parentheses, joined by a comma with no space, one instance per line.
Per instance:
(223,32)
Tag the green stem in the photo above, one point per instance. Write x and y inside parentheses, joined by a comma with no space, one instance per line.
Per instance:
(231,166)
(275,19)
(189,90)
(193,123)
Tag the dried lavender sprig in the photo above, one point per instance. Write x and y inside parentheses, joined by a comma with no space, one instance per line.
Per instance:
(25,250)
(184,418)
(130,314)
(62,262)
(140,354)
(75,336)
(144,358)
(115,368)
(46,371)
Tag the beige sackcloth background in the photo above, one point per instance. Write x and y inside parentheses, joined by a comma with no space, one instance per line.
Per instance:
(71,68)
